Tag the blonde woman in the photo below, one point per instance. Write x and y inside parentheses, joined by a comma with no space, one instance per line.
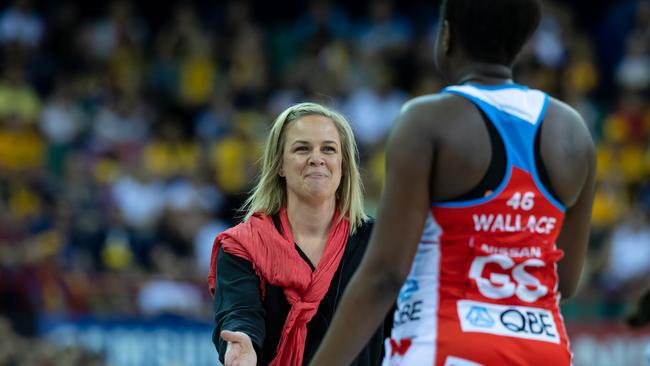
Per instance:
(278,276)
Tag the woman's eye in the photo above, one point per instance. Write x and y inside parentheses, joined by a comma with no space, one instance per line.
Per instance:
(330,149)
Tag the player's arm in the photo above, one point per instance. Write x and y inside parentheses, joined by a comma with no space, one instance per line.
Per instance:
(394,240)
(574,237)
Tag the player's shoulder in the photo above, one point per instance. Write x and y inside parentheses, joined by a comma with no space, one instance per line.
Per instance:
(560,109)
(428,111)
(428,103)
(564,119)
(417,126)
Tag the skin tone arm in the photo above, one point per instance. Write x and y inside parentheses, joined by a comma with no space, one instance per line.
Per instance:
(576,144)
(400,220)
(574,238)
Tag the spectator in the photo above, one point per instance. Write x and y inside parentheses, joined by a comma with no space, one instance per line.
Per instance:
(21,24)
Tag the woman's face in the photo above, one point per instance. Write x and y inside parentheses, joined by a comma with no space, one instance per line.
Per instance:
(312,159)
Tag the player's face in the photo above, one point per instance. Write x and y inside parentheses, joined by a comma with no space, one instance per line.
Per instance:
(312,159)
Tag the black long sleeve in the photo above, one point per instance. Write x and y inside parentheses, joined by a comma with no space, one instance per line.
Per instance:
(238,305)
(238,302)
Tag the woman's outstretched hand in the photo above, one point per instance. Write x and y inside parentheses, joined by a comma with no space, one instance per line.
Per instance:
(240,351)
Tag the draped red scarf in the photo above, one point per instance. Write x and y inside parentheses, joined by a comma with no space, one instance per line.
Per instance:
(276,262)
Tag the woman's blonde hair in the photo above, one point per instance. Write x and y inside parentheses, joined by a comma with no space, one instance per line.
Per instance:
(269,195)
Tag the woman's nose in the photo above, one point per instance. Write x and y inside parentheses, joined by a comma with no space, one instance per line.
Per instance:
(316,158)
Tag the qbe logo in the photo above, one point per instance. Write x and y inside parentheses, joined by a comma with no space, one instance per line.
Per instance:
(480,317)
(408,289)
(513,321)
(407,311)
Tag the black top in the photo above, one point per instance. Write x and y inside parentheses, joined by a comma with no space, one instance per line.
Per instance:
(238,305)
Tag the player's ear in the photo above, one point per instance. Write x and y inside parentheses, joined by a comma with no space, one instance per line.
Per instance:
(445,37)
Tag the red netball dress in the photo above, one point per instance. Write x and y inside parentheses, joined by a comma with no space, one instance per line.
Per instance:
(482,289)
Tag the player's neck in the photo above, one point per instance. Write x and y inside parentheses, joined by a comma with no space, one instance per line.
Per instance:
(482,73)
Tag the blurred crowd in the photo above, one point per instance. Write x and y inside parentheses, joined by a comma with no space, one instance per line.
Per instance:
(16,350)
(131,131)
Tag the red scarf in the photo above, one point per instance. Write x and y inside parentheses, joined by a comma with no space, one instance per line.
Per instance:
(276,262)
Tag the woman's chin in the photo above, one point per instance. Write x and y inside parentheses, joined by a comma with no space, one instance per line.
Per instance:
(319,193)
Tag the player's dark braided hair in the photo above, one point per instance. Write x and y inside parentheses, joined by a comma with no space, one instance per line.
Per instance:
(491,30)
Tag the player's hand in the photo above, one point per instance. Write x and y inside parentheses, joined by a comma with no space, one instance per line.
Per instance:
(240,351)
